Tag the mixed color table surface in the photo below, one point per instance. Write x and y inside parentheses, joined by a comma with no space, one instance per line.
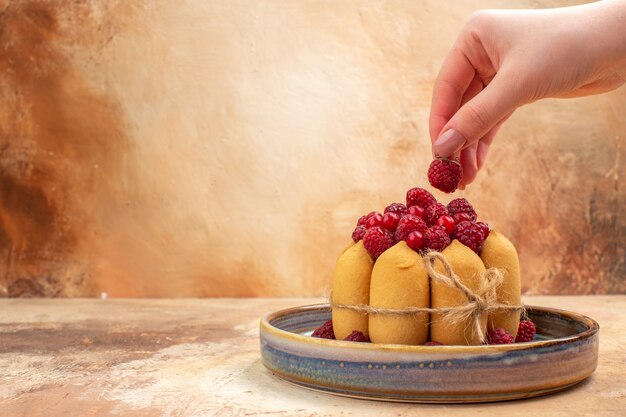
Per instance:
(200,357)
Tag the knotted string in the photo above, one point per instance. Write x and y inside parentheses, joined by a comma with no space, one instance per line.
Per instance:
(484,300)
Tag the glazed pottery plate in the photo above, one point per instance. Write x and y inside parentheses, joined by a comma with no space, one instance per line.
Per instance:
(564,352)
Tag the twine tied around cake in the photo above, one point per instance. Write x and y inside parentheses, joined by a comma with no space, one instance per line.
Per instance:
(483,300)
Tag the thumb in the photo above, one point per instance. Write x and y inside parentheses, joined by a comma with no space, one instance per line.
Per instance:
(478,116)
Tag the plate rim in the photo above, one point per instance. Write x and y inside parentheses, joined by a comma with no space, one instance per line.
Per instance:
(267,327)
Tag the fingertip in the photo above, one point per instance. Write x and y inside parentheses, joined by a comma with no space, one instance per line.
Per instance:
(481,153)
(469,164)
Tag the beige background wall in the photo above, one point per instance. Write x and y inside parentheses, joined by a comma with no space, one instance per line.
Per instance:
(203,148)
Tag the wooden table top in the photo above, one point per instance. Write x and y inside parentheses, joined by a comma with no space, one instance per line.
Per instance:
(200,357)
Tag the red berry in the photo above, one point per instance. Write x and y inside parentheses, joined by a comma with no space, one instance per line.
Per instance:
(461,205)
(398,208)
(390,221)
(437,238)
(325,331)
(498,337)
(358,233)
(408,224)
(419,197)
(415,240)
(376,241)
(434,212)
(374,220)
(461,217)
(362,220)
(433,343)
(357,336)
(470,234)
(445,174)
(485,228)
(447,222)
(416,211)
(526,331)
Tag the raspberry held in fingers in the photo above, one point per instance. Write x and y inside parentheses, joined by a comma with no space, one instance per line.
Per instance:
(445,175)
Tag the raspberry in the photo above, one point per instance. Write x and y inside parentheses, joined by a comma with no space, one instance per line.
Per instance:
(498,337)
(447,222)
(362,220)
(398,208)
(415,240)
(416,211)
(374,220)
(445,174)
(525,332)
(434,212)
(461,217)
(358,233)
(408,224)
(325,331)
(433,343)
(390,221)
(485,228)
(470,234)
(376,241)
(436,238)
(419,197)
(461,205)
(357,336)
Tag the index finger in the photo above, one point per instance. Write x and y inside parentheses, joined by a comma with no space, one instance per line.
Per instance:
(454,78)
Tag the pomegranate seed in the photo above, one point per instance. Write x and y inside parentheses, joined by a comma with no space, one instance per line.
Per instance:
(447,222)
(390,221)
(415,240)
(375,220)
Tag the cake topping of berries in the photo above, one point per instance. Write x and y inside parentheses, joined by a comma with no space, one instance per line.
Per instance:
(357,336)
(526,331)
(437,238)
(398,208)
(434,212)
(415,240)
(445,174)
(498,337)
(461,205)
(470,234)
(376,241)
(358,233)
(419,197)
(435,224)
(433,343)
(325,331)
(408,224)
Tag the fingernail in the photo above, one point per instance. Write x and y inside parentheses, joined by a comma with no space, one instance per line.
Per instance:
(448,143)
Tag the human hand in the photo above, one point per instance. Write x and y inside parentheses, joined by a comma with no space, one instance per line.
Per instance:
(503,59)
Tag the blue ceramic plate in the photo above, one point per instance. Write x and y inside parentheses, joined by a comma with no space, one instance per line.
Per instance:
(564,352)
